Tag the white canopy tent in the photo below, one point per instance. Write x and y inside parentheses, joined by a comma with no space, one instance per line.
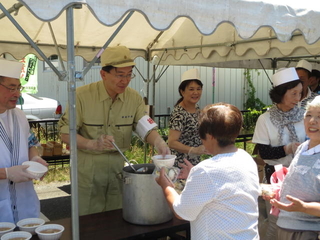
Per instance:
(206,32)
(230,33)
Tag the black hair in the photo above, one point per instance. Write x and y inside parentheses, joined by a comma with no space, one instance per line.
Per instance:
(307,71)
(276,93)
(315,73)
(183,85)
(108,68)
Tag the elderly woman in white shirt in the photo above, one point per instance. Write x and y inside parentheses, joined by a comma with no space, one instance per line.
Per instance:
(299,204)
(280,130)
(220,196)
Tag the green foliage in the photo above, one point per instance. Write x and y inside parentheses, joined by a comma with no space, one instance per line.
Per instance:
(164,131)
(252,102)
(56,173)
(250,118)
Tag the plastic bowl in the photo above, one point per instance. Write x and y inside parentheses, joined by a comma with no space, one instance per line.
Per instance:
(16,235)
(36,169)
(44,232)
(166,161)
(30,224)
(267,190)
(6,227)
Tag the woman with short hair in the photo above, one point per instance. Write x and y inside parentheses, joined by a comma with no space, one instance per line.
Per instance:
(221,192)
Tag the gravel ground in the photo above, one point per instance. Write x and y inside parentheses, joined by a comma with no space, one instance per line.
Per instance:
(55,200)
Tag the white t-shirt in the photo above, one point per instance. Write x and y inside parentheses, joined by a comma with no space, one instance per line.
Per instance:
(220,198)
(267,133)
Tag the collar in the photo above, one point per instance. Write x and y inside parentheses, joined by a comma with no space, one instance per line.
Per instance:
(311,151)
(104,95)
(308,94)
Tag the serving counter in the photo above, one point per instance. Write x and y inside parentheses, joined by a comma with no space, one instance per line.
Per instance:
(110,225)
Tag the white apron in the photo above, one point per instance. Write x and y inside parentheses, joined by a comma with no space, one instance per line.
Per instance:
(17,200)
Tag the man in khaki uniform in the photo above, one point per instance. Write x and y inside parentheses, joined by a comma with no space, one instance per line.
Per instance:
(106,111)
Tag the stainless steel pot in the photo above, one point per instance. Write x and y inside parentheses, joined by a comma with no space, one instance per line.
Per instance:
(143,200)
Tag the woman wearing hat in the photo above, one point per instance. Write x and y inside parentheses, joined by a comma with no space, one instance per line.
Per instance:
(183,133)
(280,130)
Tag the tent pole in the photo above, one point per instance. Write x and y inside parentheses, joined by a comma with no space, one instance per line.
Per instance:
(15,8)
(35,46)
(114,34)
(72,121)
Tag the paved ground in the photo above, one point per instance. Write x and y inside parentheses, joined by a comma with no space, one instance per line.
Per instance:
(55,200)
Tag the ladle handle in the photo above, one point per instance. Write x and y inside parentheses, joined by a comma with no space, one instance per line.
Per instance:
(125,158)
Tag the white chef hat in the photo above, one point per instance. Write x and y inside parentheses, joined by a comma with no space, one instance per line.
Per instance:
(10,69)
(191,74)
(284,75)
(305,65)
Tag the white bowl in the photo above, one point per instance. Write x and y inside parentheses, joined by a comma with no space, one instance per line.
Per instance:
(8,226)
(36,169)
(164,161)
(30,224)
(17,235)
(49,236)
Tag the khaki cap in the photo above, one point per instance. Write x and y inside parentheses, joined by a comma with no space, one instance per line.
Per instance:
(118,56)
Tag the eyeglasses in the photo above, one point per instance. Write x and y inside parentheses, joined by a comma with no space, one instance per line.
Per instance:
(12,90)
(124,77)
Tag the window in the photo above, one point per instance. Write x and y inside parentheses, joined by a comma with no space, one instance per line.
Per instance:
(54,60)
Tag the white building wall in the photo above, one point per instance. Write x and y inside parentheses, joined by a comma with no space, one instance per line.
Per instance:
(222,85)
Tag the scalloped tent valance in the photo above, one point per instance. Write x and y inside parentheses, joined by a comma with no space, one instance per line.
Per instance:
(181,32)
(185,32)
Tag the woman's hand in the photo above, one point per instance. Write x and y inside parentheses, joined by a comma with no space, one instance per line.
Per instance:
(291,147)
(163,180)
(185,169)
(296,204)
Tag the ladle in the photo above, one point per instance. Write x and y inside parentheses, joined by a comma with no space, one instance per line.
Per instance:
(142,169)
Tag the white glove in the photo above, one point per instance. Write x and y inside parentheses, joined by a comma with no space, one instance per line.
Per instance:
(101,144)
(161,146)
(291,147)
(195,151)
(18,174)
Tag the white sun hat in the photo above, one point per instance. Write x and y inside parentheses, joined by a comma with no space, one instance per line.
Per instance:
(284,75)
(191,74)
(10,69)
(305,65)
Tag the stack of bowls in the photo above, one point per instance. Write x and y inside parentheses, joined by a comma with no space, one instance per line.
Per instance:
(166,161)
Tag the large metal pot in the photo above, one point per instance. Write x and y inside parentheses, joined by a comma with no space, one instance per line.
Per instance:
(143,200)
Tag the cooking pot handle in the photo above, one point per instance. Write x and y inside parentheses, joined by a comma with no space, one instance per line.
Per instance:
(127,180)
